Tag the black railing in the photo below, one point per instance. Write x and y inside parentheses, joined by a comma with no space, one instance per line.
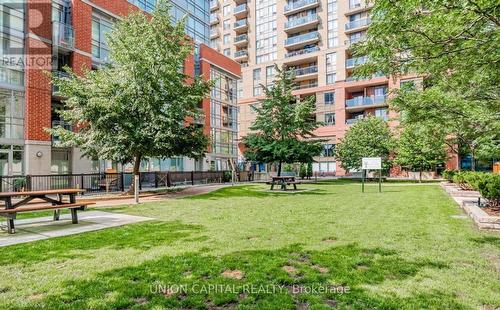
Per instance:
(110,182)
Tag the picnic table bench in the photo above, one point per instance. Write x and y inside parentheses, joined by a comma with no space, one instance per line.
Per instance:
(283,181)
(12,208)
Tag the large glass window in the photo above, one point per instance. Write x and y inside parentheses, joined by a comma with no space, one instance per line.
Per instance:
(333,26)
(11,114)
(100,27)
(330,98)
(330,119)
(266,40)
(257,90)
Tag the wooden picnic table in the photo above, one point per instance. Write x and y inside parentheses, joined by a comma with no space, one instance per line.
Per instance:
(284,181)
(12,208)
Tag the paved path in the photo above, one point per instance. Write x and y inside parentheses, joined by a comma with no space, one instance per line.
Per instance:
(45,227)
(186,192)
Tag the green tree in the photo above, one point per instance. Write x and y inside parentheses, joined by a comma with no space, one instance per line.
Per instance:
(454,45)
(303,171)
(309,170)
(420,148)
(370,137)
(140,104)
(284,126)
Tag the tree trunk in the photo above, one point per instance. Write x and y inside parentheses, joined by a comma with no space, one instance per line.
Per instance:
(420,176)
(473,160)
(279,169)
(136,173)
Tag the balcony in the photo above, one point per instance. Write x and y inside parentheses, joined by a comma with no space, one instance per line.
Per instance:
(353,62)
(302,40)
(63,36)
(214,33)
(360,103)
(350,42)
(305,73)
(301,52)
(305,86)
(241,55)
(214,19)
(302,24)
(297,6)
(240,11)
(241,40)
(214,5)
(353,78)
(357,25)
(355,8)
(58,74)
(353,121)
(241,25)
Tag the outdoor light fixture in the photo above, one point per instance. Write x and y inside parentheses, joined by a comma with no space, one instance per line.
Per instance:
(39,154)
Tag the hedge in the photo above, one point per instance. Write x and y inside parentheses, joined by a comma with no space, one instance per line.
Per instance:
(487,184)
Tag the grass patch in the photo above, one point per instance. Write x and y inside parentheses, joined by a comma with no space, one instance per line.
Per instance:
(400,249)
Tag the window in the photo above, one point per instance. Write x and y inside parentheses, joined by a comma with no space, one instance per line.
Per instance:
(226,39)
(333,25)
(330,119)
(256,80)
(227,52)
(226,10)
(11,114)
(226,25)
(331,78)
(331,62)
(266,40)
(382,113)
(270,75)
(328,150)
(330,98)
(100,27)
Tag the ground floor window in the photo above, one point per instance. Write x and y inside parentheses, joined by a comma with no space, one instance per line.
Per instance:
(60,161)
(329,166)
(11,159)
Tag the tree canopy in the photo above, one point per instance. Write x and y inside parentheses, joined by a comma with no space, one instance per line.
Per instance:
(453,44)
(140,105)
(283,131)
(369,137)
(420,148)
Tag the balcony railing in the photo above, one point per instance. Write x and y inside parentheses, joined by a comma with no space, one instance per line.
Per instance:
(354,40)
(302,52)
(353,62)
(304,86)
(356,78)
(214,33)
(214,4)
(301,21)
(302,38)
(305,71)
(214,19)
(63,35)
(352,121)
(240,8)
(357,23)
(241,53)
(365,101)
(240,23)
(241,38)
(298,4)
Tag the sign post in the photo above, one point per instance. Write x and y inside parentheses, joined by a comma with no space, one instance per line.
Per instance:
(371,163)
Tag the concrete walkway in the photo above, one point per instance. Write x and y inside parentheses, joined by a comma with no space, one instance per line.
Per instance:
(40,228)
(45,227)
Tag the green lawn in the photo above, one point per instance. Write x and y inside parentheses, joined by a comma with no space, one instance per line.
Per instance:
(402,249)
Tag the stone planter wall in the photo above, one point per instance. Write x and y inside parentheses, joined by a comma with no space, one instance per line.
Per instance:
(467,200)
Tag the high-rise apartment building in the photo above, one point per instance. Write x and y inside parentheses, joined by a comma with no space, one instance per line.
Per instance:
(313,37)
(43,36)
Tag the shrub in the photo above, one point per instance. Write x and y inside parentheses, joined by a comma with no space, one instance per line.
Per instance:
(448,174)
(474,178)
(303,171)
(489,187)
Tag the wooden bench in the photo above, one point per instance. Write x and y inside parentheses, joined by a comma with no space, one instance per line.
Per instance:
(11,209)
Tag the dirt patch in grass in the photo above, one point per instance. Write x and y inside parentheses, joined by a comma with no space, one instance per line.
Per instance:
(361,267)
(330,240)
(290,270)
(141,300)
(321,269)
(233,274)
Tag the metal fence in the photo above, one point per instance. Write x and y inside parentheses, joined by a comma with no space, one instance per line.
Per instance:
(110,182)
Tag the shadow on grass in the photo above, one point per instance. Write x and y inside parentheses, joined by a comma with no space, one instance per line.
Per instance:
(139,236)
(494,241)
(253,191)
(276,276)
